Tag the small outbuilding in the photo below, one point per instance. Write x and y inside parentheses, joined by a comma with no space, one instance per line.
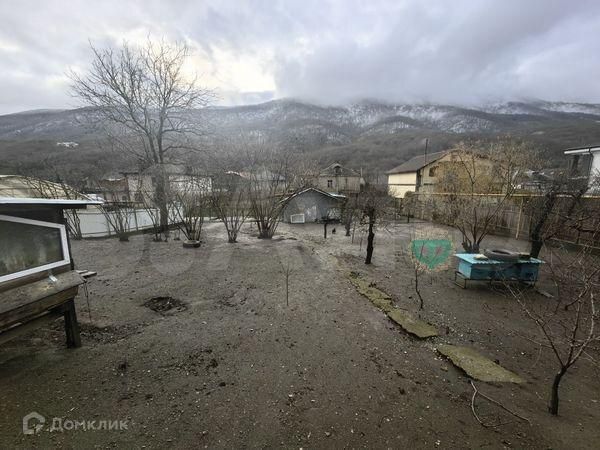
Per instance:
(312,205)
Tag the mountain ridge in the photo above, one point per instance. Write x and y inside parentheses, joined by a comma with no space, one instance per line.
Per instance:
(371,134)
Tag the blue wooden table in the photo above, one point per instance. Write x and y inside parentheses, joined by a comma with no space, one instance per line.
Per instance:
(470,268)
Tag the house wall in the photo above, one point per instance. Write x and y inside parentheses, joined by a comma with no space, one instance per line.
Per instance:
(594,171)
(339,184)
(432,173)
(401,183)
(313,205)
(140,188)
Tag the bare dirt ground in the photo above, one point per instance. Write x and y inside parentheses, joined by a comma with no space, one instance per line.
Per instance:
(225,363)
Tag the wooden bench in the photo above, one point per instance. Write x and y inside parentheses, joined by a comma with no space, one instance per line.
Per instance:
(29,306)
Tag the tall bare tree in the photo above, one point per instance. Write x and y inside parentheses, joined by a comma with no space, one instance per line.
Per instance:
(559,208)
(141,94)
(476,183)
(373,203)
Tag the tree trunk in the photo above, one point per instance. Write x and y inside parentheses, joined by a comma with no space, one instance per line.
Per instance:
(553,407)
(348,226)
(370,238)
(161,181)
(470,248)
(325,230)
(417,287)
(231,236)
(265,232)
(536,234)
(536,247)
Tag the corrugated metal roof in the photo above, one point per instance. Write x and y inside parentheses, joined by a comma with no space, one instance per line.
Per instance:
(418,162)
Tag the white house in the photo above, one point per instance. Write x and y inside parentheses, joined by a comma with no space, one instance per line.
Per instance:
(412,175)
(585,162)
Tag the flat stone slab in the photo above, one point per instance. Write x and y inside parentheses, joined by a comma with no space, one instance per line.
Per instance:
(376,296)
(412,325)
(478,366)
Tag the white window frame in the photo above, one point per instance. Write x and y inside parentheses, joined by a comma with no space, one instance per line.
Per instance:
(64,242)
(297,218)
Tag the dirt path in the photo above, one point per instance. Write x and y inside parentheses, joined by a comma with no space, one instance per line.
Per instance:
(234,367)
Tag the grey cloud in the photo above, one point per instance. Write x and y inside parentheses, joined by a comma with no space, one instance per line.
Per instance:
(460,51)
(461,54)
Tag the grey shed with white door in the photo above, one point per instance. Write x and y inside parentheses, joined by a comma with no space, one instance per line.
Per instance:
(312,205)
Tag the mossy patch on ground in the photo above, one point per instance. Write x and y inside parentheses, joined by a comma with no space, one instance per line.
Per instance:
(412,325)
(376,296)
(383,301)
(478,366)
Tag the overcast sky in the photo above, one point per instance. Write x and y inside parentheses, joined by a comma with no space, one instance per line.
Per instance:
(458,51)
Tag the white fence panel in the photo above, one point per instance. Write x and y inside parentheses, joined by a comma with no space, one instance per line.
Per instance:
(93,222)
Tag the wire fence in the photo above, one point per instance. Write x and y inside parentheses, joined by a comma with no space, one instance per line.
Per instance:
(518,215)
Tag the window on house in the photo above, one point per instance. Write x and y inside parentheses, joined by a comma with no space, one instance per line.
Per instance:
(329,183)
(432,171)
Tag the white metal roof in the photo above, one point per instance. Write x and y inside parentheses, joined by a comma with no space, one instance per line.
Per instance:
(582,150)
(46,201)
(31,190)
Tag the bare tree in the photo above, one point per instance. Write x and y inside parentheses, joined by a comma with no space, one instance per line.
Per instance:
(190,194)
(230,202)
(373,203)
(417,253)
(254,174)
(118,215)
(558,209)
(476,183)
(567,321)
(143,94)
(273,174)
(58,189)
(145,197)
(350,213)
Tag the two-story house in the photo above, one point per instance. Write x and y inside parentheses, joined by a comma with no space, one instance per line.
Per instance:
(339,180)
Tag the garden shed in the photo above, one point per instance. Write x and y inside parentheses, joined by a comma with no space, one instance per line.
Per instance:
(38,280)
(312,205)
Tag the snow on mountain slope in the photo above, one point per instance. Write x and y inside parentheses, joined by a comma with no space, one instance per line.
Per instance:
(332,124)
